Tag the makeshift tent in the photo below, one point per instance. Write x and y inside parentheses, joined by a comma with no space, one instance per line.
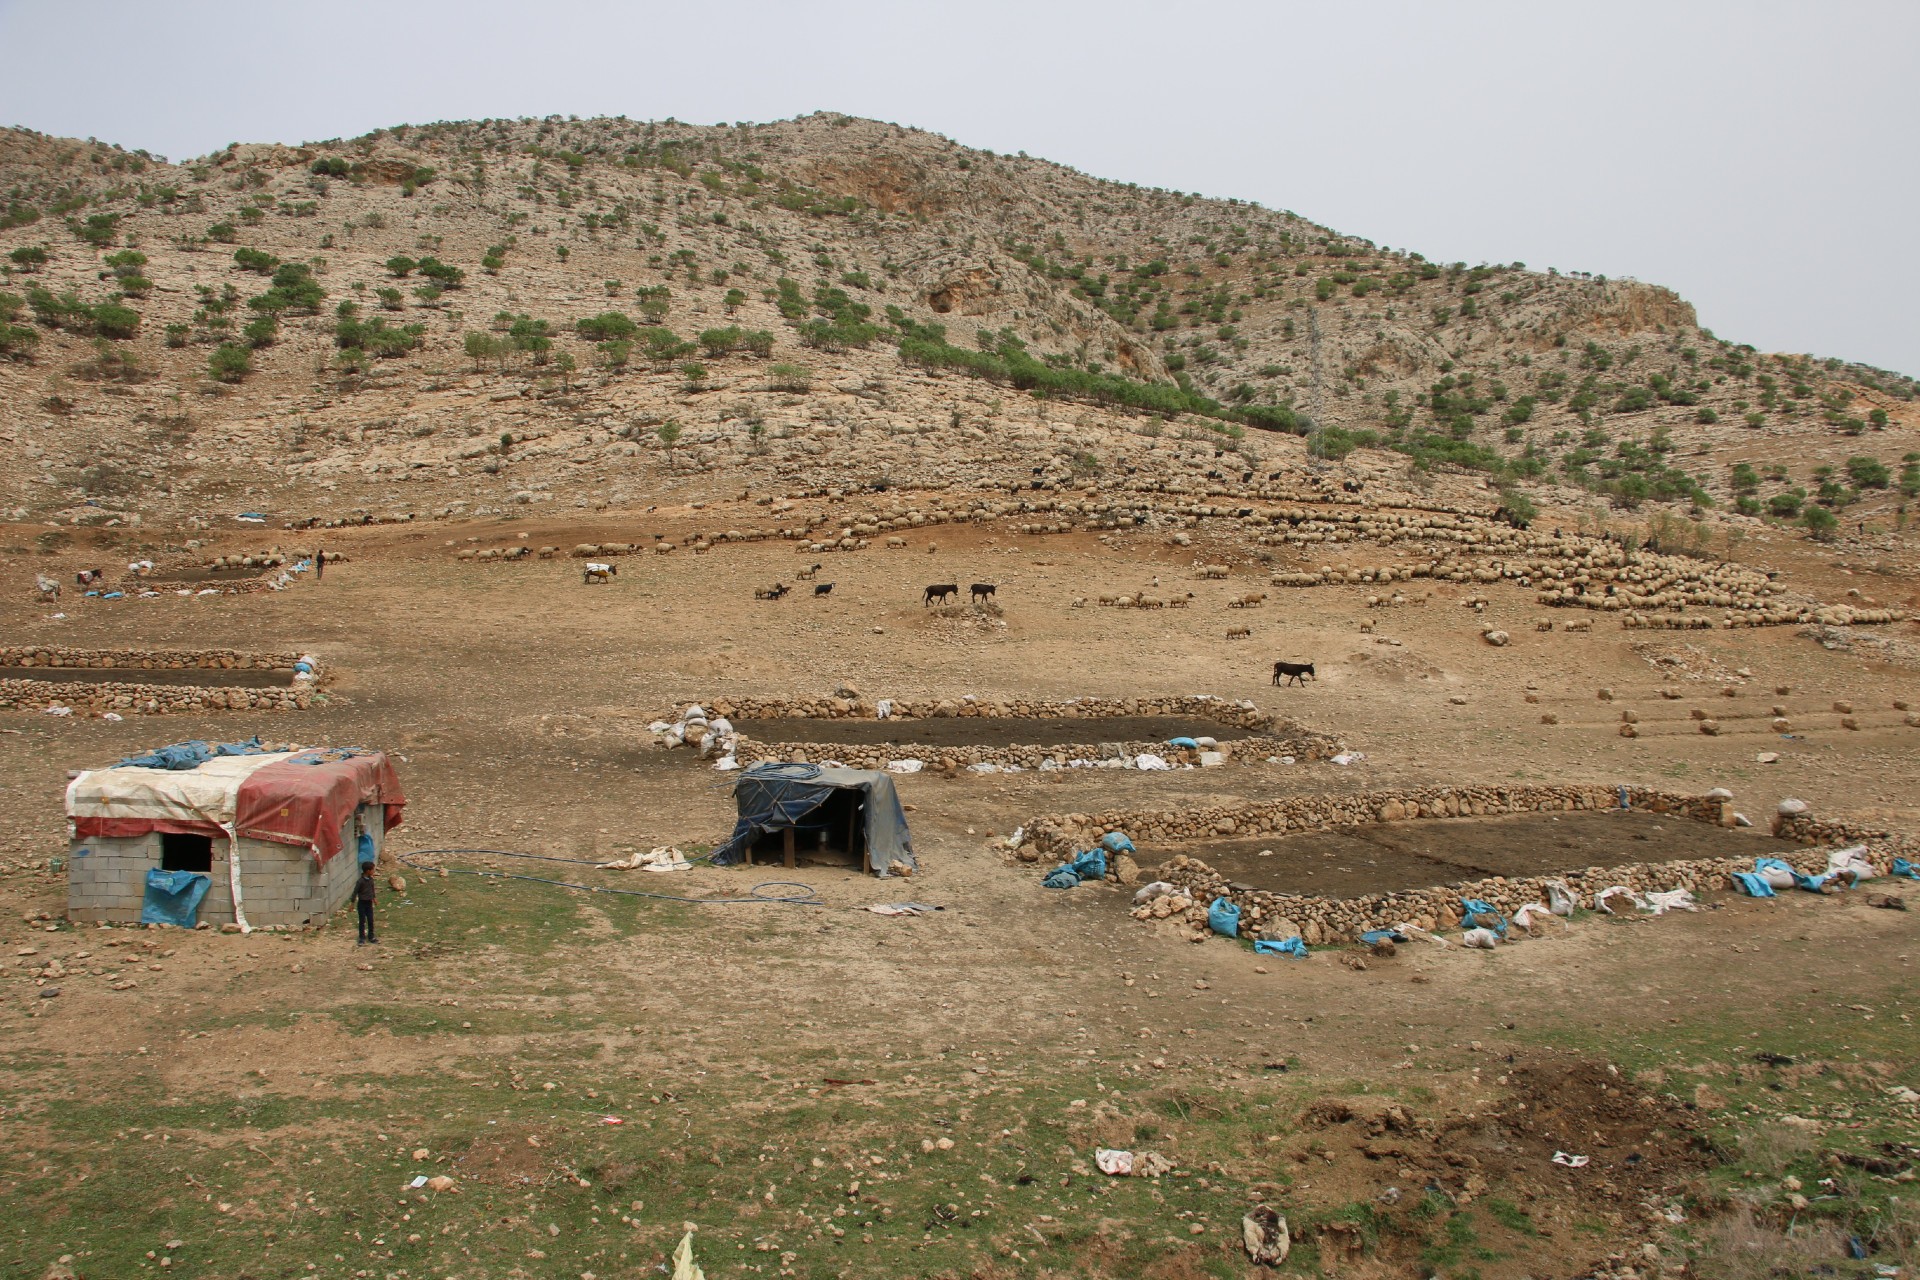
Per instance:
(853,809)
(265,826)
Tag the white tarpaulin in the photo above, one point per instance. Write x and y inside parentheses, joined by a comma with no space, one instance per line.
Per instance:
(208,793)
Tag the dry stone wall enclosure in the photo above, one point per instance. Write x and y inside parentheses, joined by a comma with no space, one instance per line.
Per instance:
(135,696)
(1325,920)
(1271,735)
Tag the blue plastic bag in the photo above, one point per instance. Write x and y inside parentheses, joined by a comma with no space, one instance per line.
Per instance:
(1295,946)
(1755,886)
(1223,917)
(1091,865)
(1372,936)
(1183,742)
(1901,867)
(173,897)
(1116,842)
(1475,907)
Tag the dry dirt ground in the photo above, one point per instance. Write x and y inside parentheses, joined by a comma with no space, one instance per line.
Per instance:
(824,1091)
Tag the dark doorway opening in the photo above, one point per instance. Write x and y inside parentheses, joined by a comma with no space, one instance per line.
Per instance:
(185,853)
(833,833)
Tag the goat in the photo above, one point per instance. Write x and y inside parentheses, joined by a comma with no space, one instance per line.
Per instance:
(1239,633)
(87,577)
(823,589)
(1353,486)
(981,591)
(773,592)
(809,574)
(49,588)
(1293,672)
(939,591)
(595,571)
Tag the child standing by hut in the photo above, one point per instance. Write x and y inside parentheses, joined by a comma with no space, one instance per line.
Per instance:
(363,896)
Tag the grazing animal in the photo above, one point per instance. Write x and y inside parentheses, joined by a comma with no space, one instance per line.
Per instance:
(1292,672)
(981,591)
(939,591)
(548,553)
(808,574)
(1079,602)
(1213,571)
(1353,486)
(773,592)
(1239,633)
(823,589)
(896,543)
(1180,602)
(87,577)
(597,572)
(49,588)
(1247,601)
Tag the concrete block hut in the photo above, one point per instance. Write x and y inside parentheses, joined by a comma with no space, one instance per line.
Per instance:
(227,833)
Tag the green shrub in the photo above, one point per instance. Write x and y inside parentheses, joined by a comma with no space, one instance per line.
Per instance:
(695,375)
(1744,478)
(329,167)
(293,288)
(256,260)
(442,274)
(608,326)
(401,266)
(758,342)
(1868,473)
(720,342)
(1706,417)
(261,330)
(790,377)
(29,257)
(17,214)
(99,229)
(1786,505)
(390,298)
(481,347)
(223,233)
(1820,522)
(230,362)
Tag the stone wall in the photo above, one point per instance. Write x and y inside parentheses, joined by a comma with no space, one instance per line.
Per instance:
(848,705)
(1320,920)
(133,697)
(1306,746)
(1274,735)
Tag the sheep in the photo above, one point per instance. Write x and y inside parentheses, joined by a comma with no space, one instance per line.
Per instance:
(773,592)
(1248,601)
(1108,599)
(1079,602)
(548,553)
(1213,570)
(1149,602)
(515,553)
(1180,602)
(1239,633)
(1578,624)
(664,548)
(597,571)
(586,550)
(809,573)
(896,544)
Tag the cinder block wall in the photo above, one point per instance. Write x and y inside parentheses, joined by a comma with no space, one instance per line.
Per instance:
(280,883)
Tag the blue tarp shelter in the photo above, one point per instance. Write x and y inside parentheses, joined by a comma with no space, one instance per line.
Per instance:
(857,809)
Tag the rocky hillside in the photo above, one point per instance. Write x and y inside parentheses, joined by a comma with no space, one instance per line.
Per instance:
(459,318)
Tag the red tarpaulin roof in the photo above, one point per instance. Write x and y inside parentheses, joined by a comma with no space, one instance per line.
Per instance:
(302,797)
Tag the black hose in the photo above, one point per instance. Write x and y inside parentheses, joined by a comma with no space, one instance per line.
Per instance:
(807,897)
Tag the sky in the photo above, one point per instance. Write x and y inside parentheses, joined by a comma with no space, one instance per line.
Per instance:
(1757,157)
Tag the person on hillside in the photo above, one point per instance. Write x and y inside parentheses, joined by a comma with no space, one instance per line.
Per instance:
(363,896)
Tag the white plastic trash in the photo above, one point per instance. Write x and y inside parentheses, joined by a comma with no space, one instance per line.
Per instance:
(1485,939)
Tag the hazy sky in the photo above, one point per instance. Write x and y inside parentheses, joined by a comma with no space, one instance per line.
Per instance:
(1758,157)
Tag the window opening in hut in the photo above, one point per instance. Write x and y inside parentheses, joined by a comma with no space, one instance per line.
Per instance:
(185,853)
